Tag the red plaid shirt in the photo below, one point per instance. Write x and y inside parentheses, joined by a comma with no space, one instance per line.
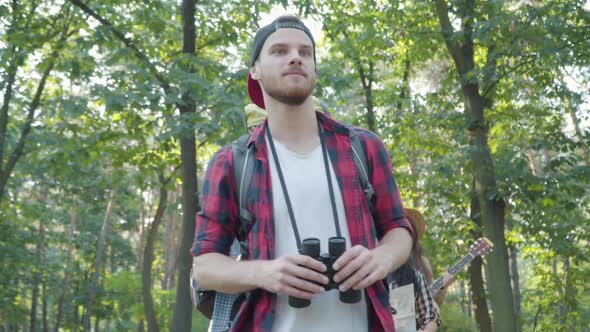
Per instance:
(217,222)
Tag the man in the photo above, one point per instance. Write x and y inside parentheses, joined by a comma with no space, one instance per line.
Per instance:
(225,304)
(305,185)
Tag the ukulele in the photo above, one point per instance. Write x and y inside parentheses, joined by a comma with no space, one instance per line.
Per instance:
(480,248)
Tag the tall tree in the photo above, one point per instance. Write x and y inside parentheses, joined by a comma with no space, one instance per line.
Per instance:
(461,48)
(39,252)
(478,293)
(68,270)
(181,320)
(148,256)
(100,252)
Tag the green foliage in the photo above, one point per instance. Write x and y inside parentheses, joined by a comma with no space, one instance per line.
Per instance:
(107,123)
(453,319)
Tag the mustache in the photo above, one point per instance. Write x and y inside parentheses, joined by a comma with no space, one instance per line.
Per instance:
(294,71)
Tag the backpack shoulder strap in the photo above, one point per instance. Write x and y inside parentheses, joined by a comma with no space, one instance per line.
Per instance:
(243,158)
(360,161)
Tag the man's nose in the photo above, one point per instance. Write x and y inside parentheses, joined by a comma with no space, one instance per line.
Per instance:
(295,58)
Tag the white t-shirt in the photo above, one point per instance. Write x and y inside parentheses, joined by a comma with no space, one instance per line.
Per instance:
(307,186)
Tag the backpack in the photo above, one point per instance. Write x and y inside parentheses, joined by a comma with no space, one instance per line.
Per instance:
(243,158)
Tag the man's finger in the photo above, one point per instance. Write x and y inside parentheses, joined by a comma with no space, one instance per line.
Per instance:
(351,267)
(308,262)
(368,281)
(303,272)
(357,277)
(303,285)
(346,257)
(295,292)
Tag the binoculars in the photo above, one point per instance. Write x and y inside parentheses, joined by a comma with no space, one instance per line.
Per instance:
(336,247)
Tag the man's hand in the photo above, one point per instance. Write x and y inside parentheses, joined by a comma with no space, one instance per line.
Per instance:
(294,275)
(359,267)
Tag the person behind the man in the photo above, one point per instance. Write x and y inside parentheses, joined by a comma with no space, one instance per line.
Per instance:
(420,261)
(416,272)
(305,183)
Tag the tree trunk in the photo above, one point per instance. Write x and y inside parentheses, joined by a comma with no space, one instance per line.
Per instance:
(403,99)
(515,279)
(536,318)
(515,276)
(490,201)
(405,85)
(148,302)
(66,280)
(17,152)
(462,297)
(44,308)
(563,291)
(76,313)
(478,293)
(100,246)
(11,71)
(577,130)
(482,316)
(140,249)
(367,83)
(182,317)
(37,275)
(559,291)
(170,243)
(568,296)
(470,302)
(492,211)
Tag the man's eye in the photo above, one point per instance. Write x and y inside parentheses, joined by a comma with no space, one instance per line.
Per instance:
(305,53)
(279,51)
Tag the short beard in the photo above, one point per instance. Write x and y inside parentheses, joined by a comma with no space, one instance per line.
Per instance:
(292,97)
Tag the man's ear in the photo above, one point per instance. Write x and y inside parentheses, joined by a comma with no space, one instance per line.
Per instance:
(255,72)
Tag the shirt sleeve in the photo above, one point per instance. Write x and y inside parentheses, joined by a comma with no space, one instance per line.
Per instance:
(388,208)
(217,221)
(426,309)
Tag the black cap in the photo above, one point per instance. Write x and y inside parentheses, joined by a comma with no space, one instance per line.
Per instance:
(282,22)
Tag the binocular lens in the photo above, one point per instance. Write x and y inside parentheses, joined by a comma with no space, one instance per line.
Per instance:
(310,247)
(336,246)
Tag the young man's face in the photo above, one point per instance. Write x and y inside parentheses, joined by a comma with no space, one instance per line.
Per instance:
(285,68)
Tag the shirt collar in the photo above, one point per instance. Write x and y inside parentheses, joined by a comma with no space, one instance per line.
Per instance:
(328,123)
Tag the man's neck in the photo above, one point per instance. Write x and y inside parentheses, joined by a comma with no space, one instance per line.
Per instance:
(294,126)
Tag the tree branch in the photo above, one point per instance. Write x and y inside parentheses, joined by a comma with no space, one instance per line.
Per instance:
(492,65)
(357,61)
(467,27)
(532,58)
(442,10)
(12,69)
(371,74)
(18,149)
(128,43)
(405,79)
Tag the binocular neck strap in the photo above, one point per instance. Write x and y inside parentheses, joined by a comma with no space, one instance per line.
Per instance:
(284,185)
